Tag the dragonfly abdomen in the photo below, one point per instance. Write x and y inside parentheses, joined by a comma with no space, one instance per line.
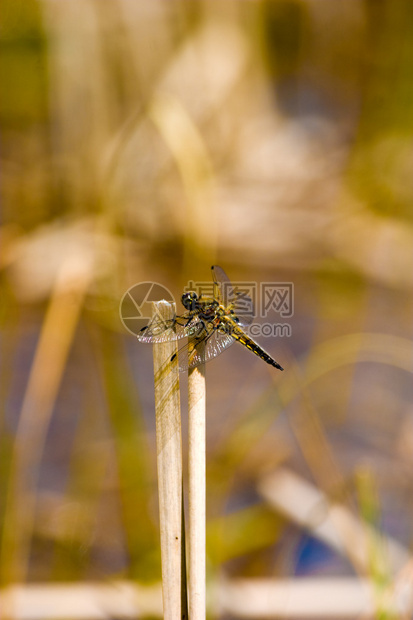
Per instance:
(255,348)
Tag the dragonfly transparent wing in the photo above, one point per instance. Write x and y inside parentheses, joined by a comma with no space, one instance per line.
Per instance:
(161,330)
(227,294)
(215,343)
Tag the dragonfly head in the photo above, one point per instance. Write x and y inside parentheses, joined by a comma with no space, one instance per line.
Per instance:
(189,300)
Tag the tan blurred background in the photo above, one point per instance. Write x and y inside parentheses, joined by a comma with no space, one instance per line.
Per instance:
(145,141)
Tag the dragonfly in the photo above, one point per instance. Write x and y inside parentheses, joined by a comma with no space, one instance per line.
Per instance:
(211,324)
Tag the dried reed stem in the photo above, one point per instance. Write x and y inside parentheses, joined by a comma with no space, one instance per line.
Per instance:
(196,495)
(169,451)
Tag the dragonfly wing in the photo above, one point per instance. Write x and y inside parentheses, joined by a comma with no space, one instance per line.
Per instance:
(216,344)
(222,284)
(241,302)
(244,309)
(161,330)
(190,356)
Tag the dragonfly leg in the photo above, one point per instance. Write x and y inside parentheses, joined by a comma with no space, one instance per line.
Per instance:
(188,321)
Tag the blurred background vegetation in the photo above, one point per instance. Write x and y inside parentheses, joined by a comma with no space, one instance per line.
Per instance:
(145,141)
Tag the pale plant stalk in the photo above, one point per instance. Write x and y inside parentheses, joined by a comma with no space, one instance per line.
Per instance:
(169,461)
(196,492)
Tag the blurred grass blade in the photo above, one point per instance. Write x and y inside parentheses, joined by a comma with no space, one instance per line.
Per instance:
(189,151)
(54,344)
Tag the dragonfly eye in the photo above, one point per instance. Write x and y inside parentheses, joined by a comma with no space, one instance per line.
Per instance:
(189,300)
